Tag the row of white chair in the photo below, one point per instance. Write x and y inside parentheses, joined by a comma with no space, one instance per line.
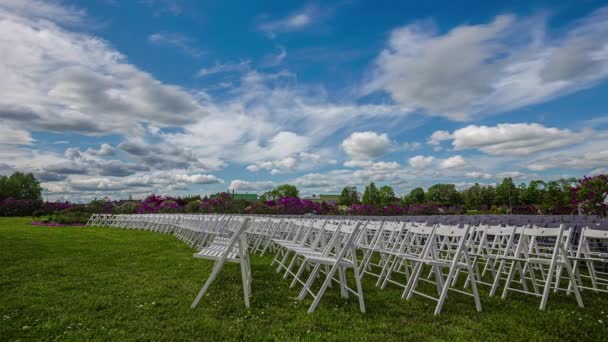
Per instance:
(402,253)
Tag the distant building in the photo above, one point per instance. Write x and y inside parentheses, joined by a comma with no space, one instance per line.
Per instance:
(331,199)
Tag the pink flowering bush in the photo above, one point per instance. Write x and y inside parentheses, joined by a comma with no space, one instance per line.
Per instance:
(591,195)
(157,203)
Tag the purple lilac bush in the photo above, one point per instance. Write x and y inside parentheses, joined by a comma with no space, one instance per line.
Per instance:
(591,195)
(157,203)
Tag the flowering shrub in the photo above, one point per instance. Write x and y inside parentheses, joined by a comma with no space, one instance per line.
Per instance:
(53,224)
(423,209)
(525,209)
(363,209)
(169,206)
(50,207)
(394,210)
(16,207)
(591,195)
(157,203)
(261,209)
(127,208)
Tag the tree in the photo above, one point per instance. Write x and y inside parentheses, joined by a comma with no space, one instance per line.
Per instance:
(284,190)
(416,196)
(371,194)
(473,197)
(507,193)
(488,196)
(444,194)
(20,185)
(533,193)
(386,195)
(349,196)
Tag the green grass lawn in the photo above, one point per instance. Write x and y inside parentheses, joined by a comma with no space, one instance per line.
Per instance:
(80,283)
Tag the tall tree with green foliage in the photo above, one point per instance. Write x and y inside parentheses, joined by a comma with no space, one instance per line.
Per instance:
(371,194)
(445,194)
(284,190)
(386,194)
(20,185)
(349,196)
(507,194)
(416,196)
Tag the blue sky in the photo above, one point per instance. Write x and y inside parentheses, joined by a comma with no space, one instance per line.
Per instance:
(118,98)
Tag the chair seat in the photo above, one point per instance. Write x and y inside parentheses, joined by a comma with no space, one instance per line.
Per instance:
(327,260)
(216,254)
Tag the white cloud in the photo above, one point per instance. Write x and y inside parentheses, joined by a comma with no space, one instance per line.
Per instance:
(198,179)
(438,136)
(293,22)
(241,185)
(452,162)
(505,64)
(411,146)
(46,10)
(218,67)
(365,146)
(12,136)
(288,163)
(421,162)
(178,40)
(511,139)
(272,60)
(104,151)
(591,156)
(62,81)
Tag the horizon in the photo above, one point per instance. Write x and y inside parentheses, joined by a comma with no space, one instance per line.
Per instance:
(179,97)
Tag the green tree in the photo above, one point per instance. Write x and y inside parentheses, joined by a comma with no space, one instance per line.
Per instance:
(349,196)
(371,194)
(473,197)
(445,194)
(507,193)
(416,196)
(20,185)
(533,193)
(386,194)
(284,190)
(488,196)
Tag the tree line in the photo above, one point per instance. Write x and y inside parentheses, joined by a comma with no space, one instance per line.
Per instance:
(541,194)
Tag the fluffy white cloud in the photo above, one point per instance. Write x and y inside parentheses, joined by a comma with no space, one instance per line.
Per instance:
(365,146)
(452,162)
(198,179)
(509,139)
(293,22)
(12,136)
(421,162)
(438,136)
(494,67)
(583,159)
(104,151)
(57,80)
(500,175)
(241,185)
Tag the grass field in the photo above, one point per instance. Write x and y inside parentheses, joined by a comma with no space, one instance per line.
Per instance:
(75,283)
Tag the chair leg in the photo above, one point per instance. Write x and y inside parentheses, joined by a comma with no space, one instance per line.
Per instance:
(330,274)
(214,273)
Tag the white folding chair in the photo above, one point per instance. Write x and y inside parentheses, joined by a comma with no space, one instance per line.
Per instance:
(232,249)
(445,248)
(537,248)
